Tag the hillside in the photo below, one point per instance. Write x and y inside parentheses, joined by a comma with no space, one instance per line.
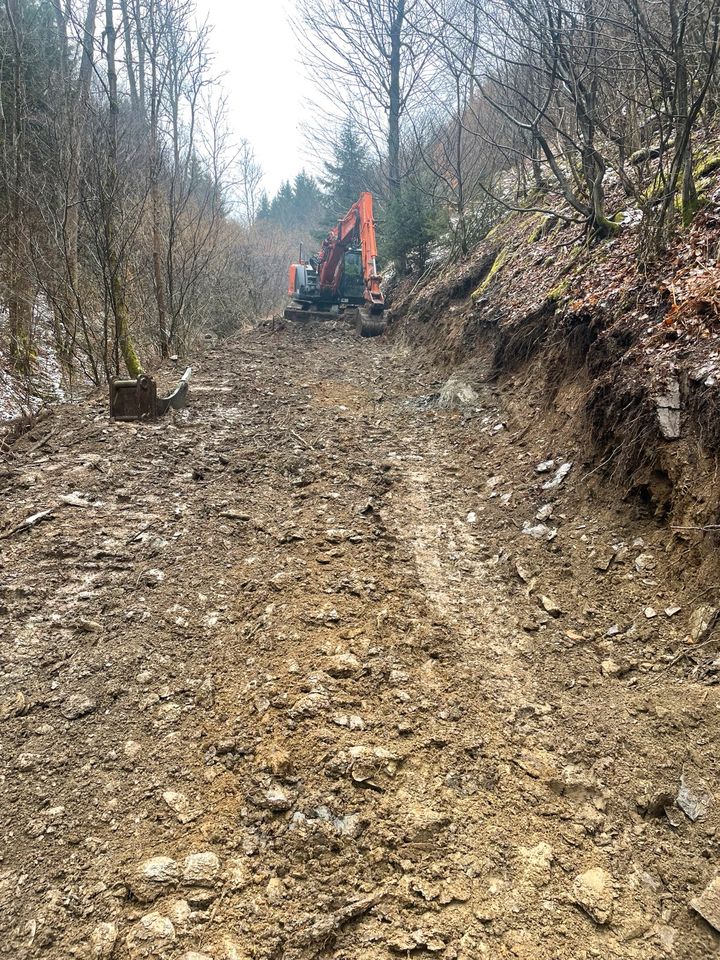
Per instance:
(612,358)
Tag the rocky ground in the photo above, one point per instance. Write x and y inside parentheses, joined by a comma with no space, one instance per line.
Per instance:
(346,661)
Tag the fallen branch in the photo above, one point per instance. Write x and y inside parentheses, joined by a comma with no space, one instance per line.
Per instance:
(709,526)
(43,440)
(28,523)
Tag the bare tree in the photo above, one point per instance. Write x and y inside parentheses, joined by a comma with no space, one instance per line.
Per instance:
(250,178)
(123,341)
(368,56)
(19,291)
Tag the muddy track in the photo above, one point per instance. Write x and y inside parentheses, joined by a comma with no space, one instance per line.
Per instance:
(284,677)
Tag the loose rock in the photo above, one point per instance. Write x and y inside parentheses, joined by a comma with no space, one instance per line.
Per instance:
(342,665)
(708,903)
(702,622)
(76,706)
(150,936)
(201,869)
(593,892)
(102,940)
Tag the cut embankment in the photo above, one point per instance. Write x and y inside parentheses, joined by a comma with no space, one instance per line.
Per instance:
(619,361)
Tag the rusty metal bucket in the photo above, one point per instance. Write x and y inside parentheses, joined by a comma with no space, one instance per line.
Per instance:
(138,399)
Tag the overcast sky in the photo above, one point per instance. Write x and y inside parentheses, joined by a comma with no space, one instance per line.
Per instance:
(257,50)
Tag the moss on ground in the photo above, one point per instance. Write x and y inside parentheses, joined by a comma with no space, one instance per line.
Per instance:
(559,290)
(498,262)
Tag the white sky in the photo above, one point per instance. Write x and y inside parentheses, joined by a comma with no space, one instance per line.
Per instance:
(258,52)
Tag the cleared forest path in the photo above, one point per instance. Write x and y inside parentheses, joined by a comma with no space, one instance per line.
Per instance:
(283,677)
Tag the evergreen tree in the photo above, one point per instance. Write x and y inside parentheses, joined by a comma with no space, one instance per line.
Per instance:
(294,206)
(282,206)
(307,200)
(410,226)
(263,211)
(347,174)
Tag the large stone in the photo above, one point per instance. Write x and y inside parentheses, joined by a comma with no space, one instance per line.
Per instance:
(151,936)
(593,892)
(537,861)
(102,941)
(549,606)
(153,877)
(12,705)
(76,706)
(180,912)
(669,422)
(702,622)
(708,903)
(201,869)
(183,809)
(343,665)
(668,406)
(159,870)
(231,950)
(273,798)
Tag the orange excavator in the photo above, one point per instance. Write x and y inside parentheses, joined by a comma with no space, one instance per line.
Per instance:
(343,277)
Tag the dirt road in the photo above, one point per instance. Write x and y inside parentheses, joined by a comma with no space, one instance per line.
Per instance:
(285,677)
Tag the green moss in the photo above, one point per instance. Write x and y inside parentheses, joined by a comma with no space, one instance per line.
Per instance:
(543,225)
(689,212)
(707,162)
(707,165)
(559,290)
(499,260)
(604,227)
(535,234)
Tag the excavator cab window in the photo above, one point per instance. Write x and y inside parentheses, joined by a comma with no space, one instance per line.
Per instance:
(352,286)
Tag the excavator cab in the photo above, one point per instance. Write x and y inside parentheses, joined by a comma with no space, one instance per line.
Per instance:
(302,282)
(352,285)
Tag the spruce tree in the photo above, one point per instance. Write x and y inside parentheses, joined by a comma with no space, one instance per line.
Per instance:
(347,174)
(307,201)
(263,211)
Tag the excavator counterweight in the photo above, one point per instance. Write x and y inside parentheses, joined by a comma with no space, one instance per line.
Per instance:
(343,277)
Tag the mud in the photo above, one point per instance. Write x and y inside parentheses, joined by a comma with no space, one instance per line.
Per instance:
(317,668)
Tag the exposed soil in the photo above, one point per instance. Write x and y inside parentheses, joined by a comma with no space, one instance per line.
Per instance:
(297,634)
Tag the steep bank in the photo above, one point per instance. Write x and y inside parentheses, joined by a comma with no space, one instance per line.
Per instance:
(619,363)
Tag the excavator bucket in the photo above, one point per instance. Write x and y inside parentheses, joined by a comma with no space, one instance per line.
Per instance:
(370,325)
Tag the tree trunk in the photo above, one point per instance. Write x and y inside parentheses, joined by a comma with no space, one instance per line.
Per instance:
(129,65)
(123,341)
(156,202)
(67,295)
(141,56)
(394,104)
(688,193)
(19,291)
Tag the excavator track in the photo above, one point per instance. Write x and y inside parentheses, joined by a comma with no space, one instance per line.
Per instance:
(305,316)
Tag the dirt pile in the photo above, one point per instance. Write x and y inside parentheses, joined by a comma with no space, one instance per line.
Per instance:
(342,662)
